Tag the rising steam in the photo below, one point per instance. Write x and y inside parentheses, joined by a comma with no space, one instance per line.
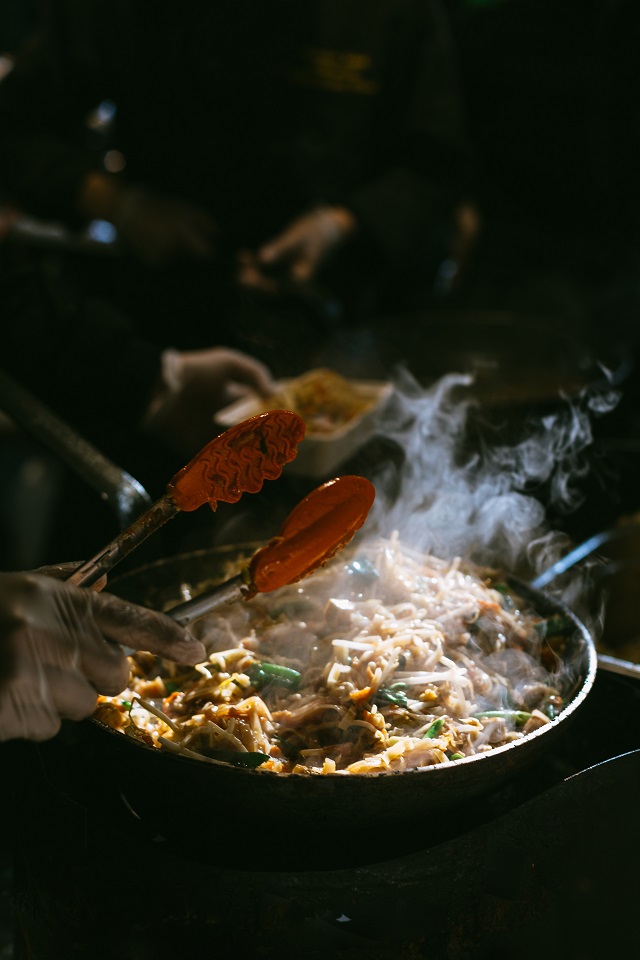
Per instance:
(451,497)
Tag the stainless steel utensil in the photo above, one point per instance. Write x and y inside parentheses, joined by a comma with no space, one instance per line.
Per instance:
(588,548)
(235,462)
(320,525)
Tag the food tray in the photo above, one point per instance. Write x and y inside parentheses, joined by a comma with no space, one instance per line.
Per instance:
(321,452)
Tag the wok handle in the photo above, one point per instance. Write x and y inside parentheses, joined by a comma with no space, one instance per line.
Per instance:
(127,498)
(583,550)
(623,667)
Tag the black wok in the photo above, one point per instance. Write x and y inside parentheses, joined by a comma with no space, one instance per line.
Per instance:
(289,816)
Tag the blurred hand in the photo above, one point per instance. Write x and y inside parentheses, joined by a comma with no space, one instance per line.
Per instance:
(159,229)
(60,648)
(298,252)
(196,385)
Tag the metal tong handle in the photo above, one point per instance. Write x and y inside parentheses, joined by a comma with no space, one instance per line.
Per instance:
(571,559)
(120,490)
(190,610)
(126,541)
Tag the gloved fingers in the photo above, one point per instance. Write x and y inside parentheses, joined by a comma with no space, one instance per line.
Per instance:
(204,375)
(140,628)
(36,723)
(62,571)
(244,369)
(280,249)
(306,242)
(72,695)
(300,250)
(61,646)
(249,273)
(103,663)
(59,631)
(27,710)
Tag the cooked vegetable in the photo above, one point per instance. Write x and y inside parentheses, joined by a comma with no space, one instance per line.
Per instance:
(261,674)
(435,728)
(519,717)
(396,694)
(352,673)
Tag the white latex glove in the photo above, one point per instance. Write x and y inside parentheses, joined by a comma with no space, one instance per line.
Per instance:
(195,385)
(60,646)
(299,251)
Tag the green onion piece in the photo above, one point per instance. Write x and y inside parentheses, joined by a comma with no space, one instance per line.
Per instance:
(519,717)
(434,729)
(126,704)
(394,694)
(457,756)
(262,674)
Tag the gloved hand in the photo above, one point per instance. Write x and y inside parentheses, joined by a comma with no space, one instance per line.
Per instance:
(299,251)
(159,229)
(195,385)
(60,648)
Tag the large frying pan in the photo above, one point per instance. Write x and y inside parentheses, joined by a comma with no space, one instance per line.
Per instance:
(270,815)
(267,816)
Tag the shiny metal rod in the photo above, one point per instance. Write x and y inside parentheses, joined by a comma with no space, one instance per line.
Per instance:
(218,596)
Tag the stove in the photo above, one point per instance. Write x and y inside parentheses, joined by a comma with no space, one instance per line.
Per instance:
(544,866)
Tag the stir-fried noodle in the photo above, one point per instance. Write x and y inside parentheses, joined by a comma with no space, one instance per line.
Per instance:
(384,661)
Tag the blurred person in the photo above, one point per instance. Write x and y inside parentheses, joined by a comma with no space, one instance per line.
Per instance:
(254,151)
(62,645)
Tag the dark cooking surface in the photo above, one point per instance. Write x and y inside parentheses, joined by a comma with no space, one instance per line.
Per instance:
(544,867)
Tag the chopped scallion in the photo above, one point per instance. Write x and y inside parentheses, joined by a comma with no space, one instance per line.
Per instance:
(394,694)
(262,674)
(519,717)
(434,729)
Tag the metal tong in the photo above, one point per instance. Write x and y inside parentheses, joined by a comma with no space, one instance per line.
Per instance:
(235,462)
(319,526)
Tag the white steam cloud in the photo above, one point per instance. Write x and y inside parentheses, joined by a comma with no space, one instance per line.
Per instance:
(450,497)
